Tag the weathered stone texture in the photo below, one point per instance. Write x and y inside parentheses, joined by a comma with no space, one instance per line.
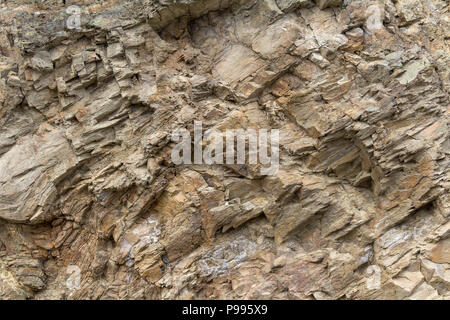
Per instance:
(359,208)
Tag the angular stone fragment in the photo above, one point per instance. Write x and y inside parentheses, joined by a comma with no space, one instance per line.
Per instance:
(114,49)
(42,61)
(40,161)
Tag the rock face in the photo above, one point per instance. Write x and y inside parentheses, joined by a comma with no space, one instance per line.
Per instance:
(92,206)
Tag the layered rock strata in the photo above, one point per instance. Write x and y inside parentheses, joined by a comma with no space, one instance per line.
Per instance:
(89,99)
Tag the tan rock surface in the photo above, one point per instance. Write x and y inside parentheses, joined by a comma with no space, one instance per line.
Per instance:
(92,206)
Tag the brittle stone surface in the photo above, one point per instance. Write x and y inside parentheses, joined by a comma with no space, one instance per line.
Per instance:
(92,90)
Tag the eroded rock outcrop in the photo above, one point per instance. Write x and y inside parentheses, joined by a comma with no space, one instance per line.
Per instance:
(359,208)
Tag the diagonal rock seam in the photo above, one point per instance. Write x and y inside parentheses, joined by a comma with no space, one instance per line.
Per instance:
(359,208)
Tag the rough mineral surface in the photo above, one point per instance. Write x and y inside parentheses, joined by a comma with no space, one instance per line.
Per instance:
(89,99)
